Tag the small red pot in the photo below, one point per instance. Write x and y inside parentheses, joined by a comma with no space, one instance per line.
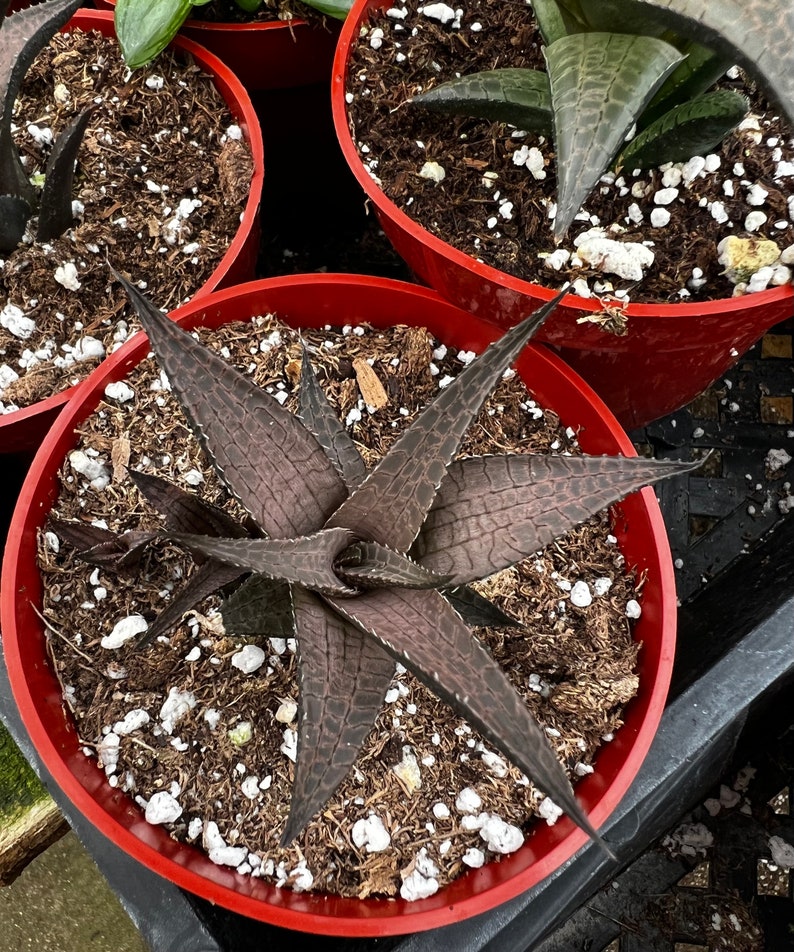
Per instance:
(311,301)
(275,55)
(23,430)
(671,352)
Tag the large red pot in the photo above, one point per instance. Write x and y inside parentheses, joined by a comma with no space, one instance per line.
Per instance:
(671,352)
(276,55)
(23,430)
(314,300)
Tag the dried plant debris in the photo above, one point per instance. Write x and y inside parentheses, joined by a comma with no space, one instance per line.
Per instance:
(146,188)
(200,726)
(718,225)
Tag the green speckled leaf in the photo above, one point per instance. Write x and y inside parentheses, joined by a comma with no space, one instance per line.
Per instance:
(693,128)
(600,83)
(520,97)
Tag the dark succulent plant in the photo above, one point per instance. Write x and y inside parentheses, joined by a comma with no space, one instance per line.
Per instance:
(613,66)
(365,568)
(22,36)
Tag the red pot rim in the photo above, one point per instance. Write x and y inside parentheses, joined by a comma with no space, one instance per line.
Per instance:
(239,103)
(348,38)
(38,695)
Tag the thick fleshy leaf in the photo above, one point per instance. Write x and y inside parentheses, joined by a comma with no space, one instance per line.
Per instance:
(15,213)
(600,83)
(520,97)
(370,565)
(145,27)
(320,418)
(494,511)
(391,504)
(307,560)
(102,547)
(478,611)
(344,675)
(259,606)
(423,632)
(207,579)
(22,36)
(263,453)
(557,19)
(699,71)
(694,128)
(185,511)
(756,34)
(55,207)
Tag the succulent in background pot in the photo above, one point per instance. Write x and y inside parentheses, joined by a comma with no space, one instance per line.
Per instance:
(369,618)
(267,42)
(109,138)
(644,358)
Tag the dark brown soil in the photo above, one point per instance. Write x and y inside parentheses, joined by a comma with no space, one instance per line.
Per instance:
(396,139)
(157,138)
(576,670)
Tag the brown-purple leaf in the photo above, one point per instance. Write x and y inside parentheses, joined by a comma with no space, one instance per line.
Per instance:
(320,418)
(477,610)
(306,560)
(185,511)
(55,208)
(207,579)
(343,679)
(370,565)
(494,511)
(266,457)
(102,547)
(421,630)
(391,504)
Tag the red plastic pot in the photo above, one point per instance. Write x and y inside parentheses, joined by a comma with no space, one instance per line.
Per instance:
(671,352)
(23,430)
(275,55)
(314,300)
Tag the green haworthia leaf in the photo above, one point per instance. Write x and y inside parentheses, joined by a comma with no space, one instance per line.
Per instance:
(520,97)
(693,128)
(557,19)
(691,78)
(250,6)
(756,34)
(600,83)
(338,9)
(260,606)
(145,27)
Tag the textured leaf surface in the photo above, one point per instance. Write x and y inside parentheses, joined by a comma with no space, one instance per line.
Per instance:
(600,83)
(494,511)
(259,606)
(391,504)
(344,675)
(520,97)
(55,208)
(757,34)
(320,417)
(423,632)
(185,511)
(262,452)
(700,69)
(101,546)
(368,564)
(694,128)
(307,560)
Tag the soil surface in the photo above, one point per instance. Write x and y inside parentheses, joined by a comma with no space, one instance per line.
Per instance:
(576,670)
(162,178)
(490,204)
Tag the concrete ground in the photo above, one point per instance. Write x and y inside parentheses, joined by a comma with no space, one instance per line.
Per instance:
(61,903)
